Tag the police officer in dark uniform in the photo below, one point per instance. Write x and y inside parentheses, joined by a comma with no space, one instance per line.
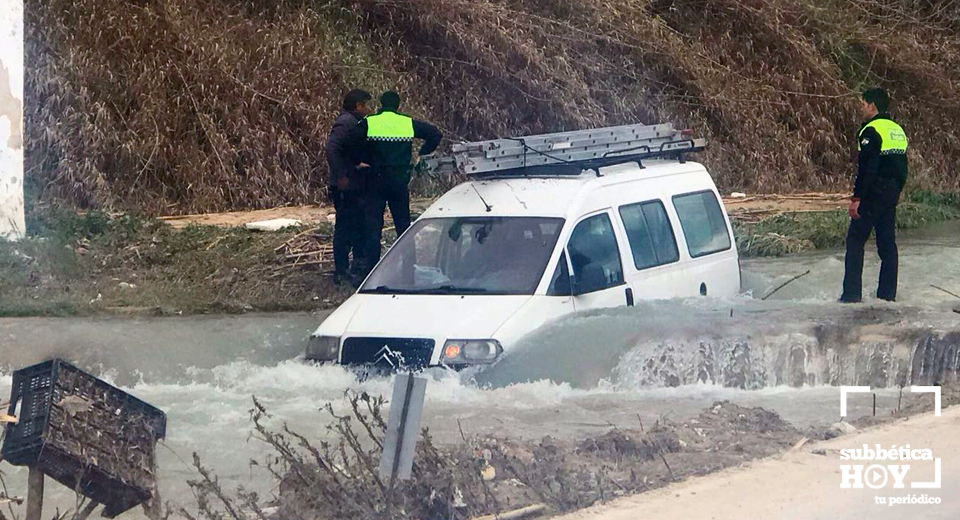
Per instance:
(388,137)
(881,175)
(347,189)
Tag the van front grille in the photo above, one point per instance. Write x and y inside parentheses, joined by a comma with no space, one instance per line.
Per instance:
(388,353)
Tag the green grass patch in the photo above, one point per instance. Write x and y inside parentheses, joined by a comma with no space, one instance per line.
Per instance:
(797,232)
(87,264)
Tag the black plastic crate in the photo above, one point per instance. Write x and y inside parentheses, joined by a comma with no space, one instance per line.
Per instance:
(84,433)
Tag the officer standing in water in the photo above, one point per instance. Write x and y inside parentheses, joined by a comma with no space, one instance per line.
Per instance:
(881,175)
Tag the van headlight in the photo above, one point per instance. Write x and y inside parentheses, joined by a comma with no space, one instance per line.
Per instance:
(470,351)
(323,348)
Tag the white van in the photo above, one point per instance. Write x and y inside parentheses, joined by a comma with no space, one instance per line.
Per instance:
(498,256)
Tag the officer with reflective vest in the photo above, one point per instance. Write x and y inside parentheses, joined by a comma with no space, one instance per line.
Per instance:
(881,175)
(389,136)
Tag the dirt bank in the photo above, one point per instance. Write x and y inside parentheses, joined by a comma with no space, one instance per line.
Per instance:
(765,224)
(570,475)
(748,208)
(663,460)
(804,483)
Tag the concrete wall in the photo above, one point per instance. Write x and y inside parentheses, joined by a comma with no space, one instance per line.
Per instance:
(11,119)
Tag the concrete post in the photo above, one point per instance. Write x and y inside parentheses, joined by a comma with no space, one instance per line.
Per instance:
(12,224)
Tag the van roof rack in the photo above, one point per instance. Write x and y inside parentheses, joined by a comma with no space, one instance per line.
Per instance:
(565,153)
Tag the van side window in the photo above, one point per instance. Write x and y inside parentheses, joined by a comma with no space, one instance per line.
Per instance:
(560,284)
(594,255)
(702,221)
(650,234)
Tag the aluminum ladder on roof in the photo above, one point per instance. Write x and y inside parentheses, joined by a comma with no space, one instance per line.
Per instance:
(565,153)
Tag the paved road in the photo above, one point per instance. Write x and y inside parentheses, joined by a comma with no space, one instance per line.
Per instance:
(803,485)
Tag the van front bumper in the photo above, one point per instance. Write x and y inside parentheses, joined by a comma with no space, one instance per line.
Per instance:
(392,354)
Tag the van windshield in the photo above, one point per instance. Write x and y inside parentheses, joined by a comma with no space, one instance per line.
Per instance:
(468,255)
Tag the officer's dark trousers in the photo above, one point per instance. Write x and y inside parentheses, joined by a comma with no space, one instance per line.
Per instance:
(349,232)
(396,195)
(883,219)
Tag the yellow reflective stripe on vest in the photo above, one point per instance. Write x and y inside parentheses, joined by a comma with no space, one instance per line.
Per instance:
(390,126)
(893,140)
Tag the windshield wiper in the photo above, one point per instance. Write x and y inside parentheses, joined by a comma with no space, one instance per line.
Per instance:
(443,289)
(383,289)
(453,289)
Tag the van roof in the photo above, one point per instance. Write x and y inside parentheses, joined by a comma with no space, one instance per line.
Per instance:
(545,196)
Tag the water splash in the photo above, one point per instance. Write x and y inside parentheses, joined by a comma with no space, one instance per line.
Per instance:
(738,344)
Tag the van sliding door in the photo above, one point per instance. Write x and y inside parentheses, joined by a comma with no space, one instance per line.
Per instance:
(654,252)
(712,269)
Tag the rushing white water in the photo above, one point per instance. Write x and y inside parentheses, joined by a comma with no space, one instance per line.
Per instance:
(741,344)
(211,417)
(573,378)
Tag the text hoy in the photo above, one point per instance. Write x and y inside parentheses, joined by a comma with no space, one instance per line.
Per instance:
(877,476)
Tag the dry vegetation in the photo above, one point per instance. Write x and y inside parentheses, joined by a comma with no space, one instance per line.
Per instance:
(172,106)
(337,477)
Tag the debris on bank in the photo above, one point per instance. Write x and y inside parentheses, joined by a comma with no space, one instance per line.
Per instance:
(491,476)
(308,248)
(756,207)
(273,225)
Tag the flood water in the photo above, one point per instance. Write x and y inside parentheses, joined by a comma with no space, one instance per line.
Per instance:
(573,378)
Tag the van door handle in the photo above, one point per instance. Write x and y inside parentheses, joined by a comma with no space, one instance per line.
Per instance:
(629,297)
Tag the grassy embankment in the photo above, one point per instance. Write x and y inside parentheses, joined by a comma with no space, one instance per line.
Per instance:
(172,107)
(76,265)
(796,232)
(91,264)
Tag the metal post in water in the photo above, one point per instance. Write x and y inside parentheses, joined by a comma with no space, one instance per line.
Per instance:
(35,494)
(401,426)
(406,407)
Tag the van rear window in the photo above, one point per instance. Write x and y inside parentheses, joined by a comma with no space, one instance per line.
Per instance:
(650,234)
(704,227)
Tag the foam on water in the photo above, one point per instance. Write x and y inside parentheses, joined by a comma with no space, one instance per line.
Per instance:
(210,416)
